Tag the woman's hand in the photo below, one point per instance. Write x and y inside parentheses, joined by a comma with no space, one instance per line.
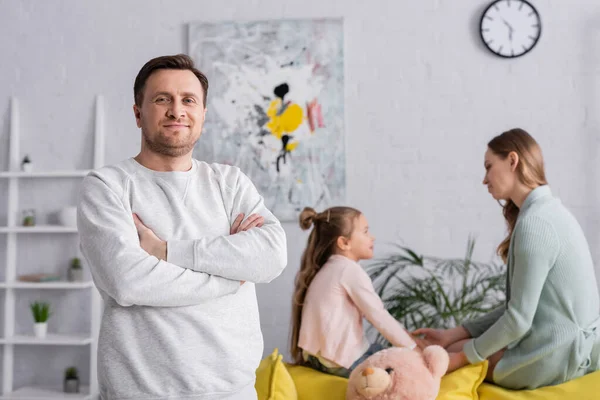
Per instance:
(457,360)
(421,343)
(442,337)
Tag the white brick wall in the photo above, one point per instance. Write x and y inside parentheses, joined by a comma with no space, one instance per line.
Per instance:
(423,97)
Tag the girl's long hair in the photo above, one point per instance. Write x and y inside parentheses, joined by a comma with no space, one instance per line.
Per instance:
(328,227)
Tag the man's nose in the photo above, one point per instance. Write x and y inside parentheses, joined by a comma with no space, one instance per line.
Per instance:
(176,110)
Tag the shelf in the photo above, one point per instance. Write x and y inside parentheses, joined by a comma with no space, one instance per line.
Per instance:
(38,229)
(52,339)
(11,288)
(45,174)
(47,285)
(46,393)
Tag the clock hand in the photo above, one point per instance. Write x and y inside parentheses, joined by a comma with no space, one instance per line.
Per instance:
(510,30)
(507,24)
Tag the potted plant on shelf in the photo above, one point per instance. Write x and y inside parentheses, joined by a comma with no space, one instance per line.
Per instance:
(26,164)
(41,313)
(75,273)
(29,217)
(71,382)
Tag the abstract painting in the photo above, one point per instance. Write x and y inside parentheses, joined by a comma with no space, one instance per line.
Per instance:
(276,107)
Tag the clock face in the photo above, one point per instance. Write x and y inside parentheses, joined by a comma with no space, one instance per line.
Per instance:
(510,28)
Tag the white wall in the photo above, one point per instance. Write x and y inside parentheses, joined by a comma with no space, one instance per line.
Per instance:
(423,97)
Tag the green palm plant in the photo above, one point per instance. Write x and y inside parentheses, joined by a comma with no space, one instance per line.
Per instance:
(41,311)
(421,291)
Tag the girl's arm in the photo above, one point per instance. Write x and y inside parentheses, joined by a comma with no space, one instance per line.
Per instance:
(359,287)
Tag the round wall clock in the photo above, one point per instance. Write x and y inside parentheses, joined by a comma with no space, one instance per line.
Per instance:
(510,28)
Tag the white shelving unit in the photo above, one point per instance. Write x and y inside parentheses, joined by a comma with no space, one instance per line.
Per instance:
(49,340)
(47,393)
(46,285)
(9,339)
(37,229)
(45,174)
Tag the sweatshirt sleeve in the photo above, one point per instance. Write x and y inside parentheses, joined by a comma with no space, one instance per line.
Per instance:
(360,288)
(535,250)
(258,255)
(122,269)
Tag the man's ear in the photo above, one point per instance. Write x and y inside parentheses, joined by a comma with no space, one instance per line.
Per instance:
(138,115)
(514,160)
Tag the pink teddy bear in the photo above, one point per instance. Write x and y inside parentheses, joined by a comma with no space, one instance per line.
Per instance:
(399,373)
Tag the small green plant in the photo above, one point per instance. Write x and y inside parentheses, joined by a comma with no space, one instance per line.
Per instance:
(41,311)
(71,382)
(71,373)
(421,291)
(29,217)
(76,263)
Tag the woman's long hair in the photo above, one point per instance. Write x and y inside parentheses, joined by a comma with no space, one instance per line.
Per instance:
(530,171)
(328,227)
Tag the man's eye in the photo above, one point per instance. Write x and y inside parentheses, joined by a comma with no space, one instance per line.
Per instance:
(160,100)
(189,100)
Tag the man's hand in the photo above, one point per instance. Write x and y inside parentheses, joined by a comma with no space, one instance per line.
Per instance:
(158,248)
(253,221)
(149,241)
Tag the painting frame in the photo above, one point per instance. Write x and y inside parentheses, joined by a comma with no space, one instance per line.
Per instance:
(276,107)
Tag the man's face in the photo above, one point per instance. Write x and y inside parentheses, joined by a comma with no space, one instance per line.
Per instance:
(172,112)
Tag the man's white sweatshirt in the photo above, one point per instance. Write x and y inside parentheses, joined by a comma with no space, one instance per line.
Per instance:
(183,328)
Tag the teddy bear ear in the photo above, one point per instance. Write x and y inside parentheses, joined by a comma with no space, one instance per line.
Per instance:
(437,360)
